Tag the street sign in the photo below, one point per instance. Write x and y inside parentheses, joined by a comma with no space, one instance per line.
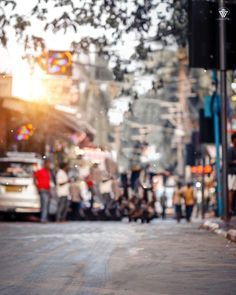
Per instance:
(200,169)
(59,63)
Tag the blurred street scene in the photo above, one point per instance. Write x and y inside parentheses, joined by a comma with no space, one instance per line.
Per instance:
(133,115)
(118,121)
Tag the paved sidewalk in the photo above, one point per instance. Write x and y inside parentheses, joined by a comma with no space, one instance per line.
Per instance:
(218,226)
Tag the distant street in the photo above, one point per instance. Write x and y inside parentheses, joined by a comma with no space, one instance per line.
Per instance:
(114,258)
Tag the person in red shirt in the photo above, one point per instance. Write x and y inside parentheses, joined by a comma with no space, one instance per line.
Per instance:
(42,182)
(89,182)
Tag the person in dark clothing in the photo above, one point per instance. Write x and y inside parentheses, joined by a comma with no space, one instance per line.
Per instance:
(75,198)
(134,179)
(125,184)
(163,203)
(232,172)
(145,182)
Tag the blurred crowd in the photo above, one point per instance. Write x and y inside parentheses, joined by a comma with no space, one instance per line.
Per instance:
(88,192)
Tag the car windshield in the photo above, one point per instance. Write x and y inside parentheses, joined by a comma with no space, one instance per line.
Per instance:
(17,169)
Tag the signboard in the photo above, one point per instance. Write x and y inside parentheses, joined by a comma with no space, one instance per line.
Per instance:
(200,169)
(59,63)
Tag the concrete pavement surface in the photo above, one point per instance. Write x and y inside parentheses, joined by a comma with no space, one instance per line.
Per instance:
(227,230)
(114,258)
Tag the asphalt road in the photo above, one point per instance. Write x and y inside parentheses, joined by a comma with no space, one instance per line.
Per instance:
(86,258)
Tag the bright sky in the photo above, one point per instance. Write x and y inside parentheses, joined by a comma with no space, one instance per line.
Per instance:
(11,58)
(61,41)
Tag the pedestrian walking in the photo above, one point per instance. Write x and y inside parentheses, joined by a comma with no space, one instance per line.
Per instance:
(106,194)
(189,198)
(96,177)
(42,181)
(177,201)
(53,201)
(75,198)
(145,183)
(163,203)
(198,203)
(232,172)
(151,209)
(90,186)
(134,178)
(124,180)
(62,191)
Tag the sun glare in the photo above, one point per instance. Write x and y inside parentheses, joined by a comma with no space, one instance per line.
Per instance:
(28,85)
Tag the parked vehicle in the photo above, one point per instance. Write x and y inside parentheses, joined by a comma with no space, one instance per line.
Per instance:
(17,189)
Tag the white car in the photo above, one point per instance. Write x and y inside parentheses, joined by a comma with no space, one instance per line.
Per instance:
(18,192)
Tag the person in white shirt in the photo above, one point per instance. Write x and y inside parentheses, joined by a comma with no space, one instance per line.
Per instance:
(63,191)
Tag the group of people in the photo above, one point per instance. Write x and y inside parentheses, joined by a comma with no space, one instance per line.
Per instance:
(107,197)
(183,195)
(46,182)
(130,194)
(138,208)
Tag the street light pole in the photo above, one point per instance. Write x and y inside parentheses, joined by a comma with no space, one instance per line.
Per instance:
(203,180)
(223,91)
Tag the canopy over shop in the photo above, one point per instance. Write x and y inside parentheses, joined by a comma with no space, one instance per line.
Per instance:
(39,127)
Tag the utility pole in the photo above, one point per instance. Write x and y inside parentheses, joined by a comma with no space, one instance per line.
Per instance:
(183,121)
(203,181)
(223,91)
